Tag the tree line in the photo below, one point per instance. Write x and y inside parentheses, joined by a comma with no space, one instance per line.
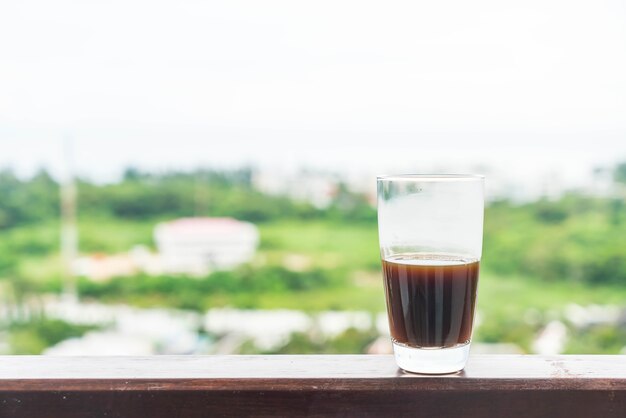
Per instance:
(577,237)
(141,195)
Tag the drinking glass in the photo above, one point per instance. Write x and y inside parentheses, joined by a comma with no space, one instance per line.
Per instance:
(430,231)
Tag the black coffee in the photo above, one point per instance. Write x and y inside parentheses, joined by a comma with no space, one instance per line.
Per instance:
(430,298)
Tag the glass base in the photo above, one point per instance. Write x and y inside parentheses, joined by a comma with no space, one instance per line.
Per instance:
(431,360)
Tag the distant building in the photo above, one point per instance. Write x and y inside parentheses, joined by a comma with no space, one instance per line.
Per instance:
(317,188)
(101,267)
(189,245)
(199,245)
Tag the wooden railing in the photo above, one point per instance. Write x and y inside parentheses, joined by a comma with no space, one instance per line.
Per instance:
(347,385)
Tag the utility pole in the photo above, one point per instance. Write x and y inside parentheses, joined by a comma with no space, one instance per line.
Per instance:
(69,230)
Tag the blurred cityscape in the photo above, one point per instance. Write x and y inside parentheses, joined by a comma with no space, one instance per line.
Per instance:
(246,261)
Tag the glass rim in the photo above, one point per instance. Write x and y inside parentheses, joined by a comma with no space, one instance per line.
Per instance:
(431,177)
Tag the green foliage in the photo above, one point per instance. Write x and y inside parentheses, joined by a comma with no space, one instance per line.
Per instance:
(141,195)
(351,206)
(106,235)
(550,212)
(193,293)
(32,337)
(29,201)
(498,329)
(619,173)
(576,239)
(337,245)
(597,340)
(37,239)
(351,341)
(543,254)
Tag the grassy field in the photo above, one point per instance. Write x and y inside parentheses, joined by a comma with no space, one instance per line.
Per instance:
(355,248)
(511,308)
(350,249)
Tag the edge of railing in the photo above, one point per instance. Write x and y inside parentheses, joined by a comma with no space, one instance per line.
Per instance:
(365,385)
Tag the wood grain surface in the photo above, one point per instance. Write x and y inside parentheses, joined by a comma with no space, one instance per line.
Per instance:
(338,385)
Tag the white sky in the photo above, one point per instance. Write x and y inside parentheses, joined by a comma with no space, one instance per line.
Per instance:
(528,87)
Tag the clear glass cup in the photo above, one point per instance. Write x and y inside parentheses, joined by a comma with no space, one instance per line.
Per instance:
(430,231)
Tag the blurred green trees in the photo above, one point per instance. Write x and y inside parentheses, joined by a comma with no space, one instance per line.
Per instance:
(576,238)
(540,252)
(195,293)
(35,335)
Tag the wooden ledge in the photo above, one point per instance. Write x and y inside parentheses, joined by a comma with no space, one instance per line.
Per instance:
(344,385)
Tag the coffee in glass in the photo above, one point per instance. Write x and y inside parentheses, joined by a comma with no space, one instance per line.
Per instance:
(430,230)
